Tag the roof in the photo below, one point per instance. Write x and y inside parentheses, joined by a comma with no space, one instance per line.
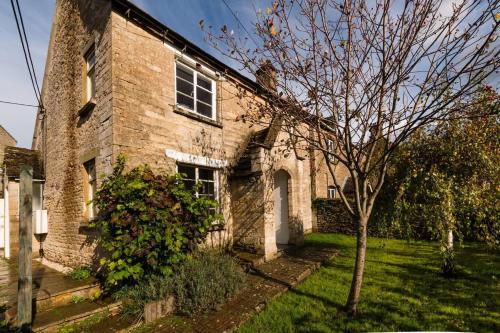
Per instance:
(15,157)
(161,31)
(265,138)
(7,132)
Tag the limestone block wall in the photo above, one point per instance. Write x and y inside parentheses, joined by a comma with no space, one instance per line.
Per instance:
(323,177)
(248,213)
(67,139)
(146,121)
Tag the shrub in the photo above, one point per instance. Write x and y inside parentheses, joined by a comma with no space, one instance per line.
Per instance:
(135,298)
(449,171)
(80,273)
(206,281)
(199,284)
(148,223)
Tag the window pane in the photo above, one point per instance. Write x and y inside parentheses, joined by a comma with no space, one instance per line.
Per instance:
(90,169)
(184,73)
(185,100)
(189,183)
(204,109)
(184,87)
(188,171)
(91,84)
(204,96)
(206,174)
(205,83)
(90,59)
(207,188)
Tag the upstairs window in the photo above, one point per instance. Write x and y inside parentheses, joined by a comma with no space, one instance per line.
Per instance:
(90,187)
(330,147)
(194,91)
(331,191)
(90,66)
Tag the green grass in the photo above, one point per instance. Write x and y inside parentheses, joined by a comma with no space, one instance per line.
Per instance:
(402,291)
(84,324)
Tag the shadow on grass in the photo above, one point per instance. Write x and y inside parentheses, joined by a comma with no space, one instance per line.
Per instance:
(403,290)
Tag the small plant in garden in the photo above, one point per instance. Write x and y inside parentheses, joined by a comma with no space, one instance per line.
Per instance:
(134,298)
(199,284)
(75,299)
(206,281)
(148,223)
(96,295)
(80,273)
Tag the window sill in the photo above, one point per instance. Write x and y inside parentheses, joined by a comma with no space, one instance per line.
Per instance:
(85,224)
(89,106)
(196,116)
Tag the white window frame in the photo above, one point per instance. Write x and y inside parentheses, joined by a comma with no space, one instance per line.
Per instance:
(213,91)
(330,147)
(90,68)
(197,177)
(331,192)
(90,178)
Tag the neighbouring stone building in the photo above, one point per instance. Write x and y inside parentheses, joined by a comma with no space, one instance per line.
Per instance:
(12,158)
(117,80)
(6,139)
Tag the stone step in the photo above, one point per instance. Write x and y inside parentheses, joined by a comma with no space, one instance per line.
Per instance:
(248,258)
(52,320)
(46,301)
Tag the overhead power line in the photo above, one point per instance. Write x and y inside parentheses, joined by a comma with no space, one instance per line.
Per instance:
(16,103)
(241,23)
(27,53)
(28,47)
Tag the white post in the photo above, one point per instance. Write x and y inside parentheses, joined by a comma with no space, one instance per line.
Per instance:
(6,229)
(2,223)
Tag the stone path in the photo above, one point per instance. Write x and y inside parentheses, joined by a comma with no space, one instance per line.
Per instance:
(266,282)
(47,282)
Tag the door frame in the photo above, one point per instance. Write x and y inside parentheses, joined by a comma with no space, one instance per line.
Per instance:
(289,203)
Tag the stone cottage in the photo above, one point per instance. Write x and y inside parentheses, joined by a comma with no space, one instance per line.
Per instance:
(118,80)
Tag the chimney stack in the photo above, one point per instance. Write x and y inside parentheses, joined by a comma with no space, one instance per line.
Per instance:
(266,76)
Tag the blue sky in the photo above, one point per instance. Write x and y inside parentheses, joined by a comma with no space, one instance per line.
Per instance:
(180,15)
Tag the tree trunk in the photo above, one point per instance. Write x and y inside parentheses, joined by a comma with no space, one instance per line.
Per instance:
(448,255)
(357,279)
(449,240)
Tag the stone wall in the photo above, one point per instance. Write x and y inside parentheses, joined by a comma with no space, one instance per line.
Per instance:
(333,217)
(146,123)
(322,177)
(66,140)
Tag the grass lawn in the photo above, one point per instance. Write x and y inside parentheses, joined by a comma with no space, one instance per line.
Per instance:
(402,290)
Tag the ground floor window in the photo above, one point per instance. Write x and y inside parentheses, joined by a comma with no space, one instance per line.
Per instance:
(331,192)
(90,187)
(196,174)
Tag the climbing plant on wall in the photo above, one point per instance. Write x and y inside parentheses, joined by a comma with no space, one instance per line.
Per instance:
(148,223)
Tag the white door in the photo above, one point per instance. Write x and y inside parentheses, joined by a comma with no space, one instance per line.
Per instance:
(281,207)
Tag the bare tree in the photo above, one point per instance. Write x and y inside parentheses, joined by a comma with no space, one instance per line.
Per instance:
(366,74)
